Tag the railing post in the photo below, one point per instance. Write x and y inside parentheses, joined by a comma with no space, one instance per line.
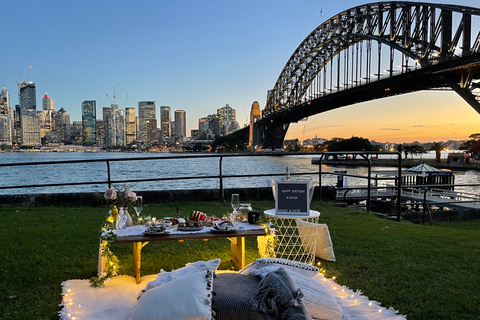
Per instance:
(222,195)
(320,177)
(399,186)
(108,175)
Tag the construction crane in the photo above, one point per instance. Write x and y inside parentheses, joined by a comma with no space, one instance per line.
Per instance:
(113,96)
(28,74)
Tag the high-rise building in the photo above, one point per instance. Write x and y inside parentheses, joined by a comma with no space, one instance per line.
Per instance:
(202,128)
(227,120)
(6,118)
(165,121)
(89,117)
(130,125)
(47,123)
(213,126)
(100,133)
(62,126)
(48,103)
(29,122)
(4,102)
(180,125)
(114,126)
(5,131)
(77,133)
(147,121)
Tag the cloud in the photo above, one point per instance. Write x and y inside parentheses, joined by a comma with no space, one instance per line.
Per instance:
(391,129)
(418,126)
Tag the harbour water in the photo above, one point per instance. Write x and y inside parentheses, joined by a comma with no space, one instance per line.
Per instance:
(97,171)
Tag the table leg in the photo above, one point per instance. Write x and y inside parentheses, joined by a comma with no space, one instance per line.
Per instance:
(137,258)
(237,246)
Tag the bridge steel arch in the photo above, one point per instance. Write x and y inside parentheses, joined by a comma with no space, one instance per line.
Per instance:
(428,46)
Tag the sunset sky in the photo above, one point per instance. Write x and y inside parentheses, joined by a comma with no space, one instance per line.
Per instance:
(199,56)
(426,116)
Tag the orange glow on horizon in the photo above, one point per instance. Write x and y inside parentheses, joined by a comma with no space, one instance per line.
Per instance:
(425,116)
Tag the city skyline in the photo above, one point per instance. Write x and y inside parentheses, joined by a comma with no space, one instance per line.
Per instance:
(239,49)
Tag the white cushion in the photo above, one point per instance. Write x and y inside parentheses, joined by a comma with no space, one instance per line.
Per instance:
(185,298)
(165,277)
(263,266)
(324,245)
(321,304)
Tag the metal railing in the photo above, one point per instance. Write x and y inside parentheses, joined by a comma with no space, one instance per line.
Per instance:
(221,176)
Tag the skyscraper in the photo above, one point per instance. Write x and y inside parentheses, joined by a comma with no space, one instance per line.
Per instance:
(63,126)
(47,123)
(130,125)
(29,122)
(166,121)
(202,128)
(6,118)
(227,120)
(4,102)
(114,126)
(147,121)
(48,103)
(89,117)
(180,125)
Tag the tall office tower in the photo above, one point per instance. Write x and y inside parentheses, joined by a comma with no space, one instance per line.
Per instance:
(114,126)
(165,121)
(47,123)
(202,128)
(89,117)
(29,122)
(130,125)
(6,118)
(147,121)
(4,102)
(180,125)
(100,133)
(48,103)
(62,126)
(227,120)
(213,126)
(77,133)
(5,131)
(253,133)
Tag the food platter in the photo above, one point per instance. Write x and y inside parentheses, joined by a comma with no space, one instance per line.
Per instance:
(189,229)
(164,233)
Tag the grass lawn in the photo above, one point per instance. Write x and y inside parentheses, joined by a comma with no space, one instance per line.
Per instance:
(426,272)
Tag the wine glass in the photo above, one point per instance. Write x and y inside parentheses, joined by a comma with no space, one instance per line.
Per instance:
(235,205)
(138,205)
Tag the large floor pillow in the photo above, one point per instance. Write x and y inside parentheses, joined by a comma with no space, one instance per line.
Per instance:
(233,297)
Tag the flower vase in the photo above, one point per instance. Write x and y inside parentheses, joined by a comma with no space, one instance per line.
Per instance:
(129,217)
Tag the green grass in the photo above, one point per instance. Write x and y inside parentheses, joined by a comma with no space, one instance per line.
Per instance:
(426,272)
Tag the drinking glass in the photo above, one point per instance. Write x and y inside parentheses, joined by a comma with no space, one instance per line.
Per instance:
(235,205)
(235,202)
(138,205)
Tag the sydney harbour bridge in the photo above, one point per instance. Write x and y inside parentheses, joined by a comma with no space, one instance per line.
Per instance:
(374,51)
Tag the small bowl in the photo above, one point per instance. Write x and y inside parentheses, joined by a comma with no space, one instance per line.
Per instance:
(166,223)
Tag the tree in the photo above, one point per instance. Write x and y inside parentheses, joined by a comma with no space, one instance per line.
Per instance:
(473,145)
(438,147)
(401,148)
(352,144)
(415,148)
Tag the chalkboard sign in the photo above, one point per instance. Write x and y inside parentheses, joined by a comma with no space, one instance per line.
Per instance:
(292,198)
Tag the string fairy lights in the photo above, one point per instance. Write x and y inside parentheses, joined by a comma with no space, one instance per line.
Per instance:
(107,237)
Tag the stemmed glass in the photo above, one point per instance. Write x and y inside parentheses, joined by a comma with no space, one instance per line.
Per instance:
(235,205)
(138,205)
